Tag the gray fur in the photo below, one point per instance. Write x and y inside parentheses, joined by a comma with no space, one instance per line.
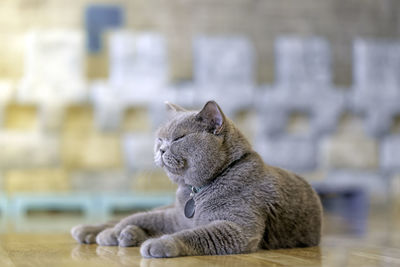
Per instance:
(245,204)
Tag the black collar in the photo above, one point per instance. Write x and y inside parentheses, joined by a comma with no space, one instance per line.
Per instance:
(196,190)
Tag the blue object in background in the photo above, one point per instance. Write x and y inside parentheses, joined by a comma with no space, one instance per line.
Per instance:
(99,18)
(351,202)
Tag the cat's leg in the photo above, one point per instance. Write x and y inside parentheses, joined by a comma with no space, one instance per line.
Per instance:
(216,238)
(135,229)
(86,233)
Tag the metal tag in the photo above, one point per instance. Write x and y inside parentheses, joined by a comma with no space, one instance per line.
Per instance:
(189,208)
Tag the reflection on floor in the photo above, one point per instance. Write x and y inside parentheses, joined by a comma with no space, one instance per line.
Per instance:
(42,240)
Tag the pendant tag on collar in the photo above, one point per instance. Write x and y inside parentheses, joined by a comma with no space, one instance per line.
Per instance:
(189,208)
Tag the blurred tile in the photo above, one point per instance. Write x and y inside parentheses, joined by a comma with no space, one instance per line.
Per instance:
(97,65)
(223,60)
(232,99)
(28,149)
(376,65)
(303,86)
(350,147)
(36,180)
(78,119)
(138,75)
(91,150)
(152,181)
(20,117)
(108,106)
(373,183)
(390,153)
(11,51)
(7,91)
(100,181)
(349,201)
(298,123)
(395,127)
(376,83)
(302,61)
(52,117)
(136,119)
(293,153)
(138,59)
(98,19)
(53,68)
(224,66)
(395,188)
(115,113)
(394,192)
(246,121)
(138,151)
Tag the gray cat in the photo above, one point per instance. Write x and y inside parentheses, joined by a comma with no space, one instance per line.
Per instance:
(228,201)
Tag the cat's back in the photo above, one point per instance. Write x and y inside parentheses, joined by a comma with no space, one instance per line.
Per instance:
(290,186)
(256,178)
(292,209)
(294,219)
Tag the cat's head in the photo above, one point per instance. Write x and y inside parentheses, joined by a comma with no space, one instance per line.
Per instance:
(193,147)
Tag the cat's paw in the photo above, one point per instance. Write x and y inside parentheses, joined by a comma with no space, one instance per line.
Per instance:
(131,236)
(164,247)
(85,234)
(107,237)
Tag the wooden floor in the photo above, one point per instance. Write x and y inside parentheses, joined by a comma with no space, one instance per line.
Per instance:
(379,245)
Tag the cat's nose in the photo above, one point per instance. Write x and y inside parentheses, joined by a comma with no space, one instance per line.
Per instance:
(162,151)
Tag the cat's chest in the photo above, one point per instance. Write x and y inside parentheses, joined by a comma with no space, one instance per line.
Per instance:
(197,209)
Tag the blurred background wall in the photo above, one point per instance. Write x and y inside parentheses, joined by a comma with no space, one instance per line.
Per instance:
(315,85)
(262,21)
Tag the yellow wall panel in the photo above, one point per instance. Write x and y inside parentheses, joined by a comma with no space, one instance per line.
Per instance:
(78,119)
(97,66)
(136,119)
(91,151)
(152,181)
(20,117)
(11,55)
(36,180)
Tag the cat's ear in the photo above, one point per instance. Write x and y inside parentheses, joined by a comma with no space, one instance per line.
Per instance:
(174,107)
(212,115)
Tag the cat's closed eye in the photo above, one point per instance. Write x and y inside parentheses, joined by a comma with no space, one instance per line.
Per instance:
(178,138)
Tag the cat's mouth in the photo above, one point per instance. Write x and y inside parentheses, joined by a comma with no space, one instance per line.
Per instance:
(172,168)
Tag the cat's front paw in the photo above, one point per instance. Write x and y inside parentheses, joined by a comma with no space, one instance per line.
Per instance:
(85,234)
(131,236)
(107,237)
(164,247)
